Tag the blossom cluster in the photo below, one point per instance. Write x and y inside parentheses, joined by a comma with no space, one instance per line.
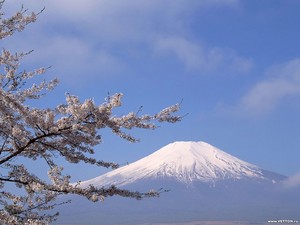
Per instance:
(17,22)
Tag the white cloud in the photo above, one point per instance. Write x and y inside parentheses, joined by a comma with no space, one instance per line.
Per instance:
(292,181)
(282,81)
(106,7)
(118,19)
(76,58)
(71,58)
(84,34)
(197,56)
(132,19)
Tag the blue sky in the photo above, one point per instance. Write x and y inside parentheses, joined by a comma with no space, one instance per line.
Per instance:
(235,65)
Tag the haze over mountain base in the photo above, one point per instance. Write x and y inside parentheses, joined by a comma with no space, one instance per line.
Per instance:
(205,183)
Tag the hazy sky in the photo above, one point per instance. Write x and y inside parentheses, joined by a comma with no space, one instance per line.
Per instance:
(235,65)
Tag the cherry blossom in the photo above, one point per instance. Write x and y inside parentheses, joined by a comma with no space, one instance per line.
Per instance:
(69,131)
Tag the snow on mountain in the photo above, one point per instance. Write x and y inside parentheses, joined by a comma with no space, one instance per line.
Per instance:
(185,162)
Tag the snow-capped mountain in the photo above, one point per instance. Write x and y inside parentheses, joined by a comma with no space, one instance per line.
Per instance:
(205,183)
(186,162)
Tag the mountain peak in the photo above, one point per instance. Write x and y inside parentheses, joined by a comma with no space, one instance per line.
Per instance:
(185,161)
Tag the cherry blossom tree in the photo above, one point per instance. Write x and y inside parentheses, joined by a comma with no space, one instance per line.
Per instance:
(69,131)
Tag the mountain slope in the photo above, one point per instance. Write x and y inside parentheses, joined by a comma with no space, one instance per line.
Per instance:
(186,162)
